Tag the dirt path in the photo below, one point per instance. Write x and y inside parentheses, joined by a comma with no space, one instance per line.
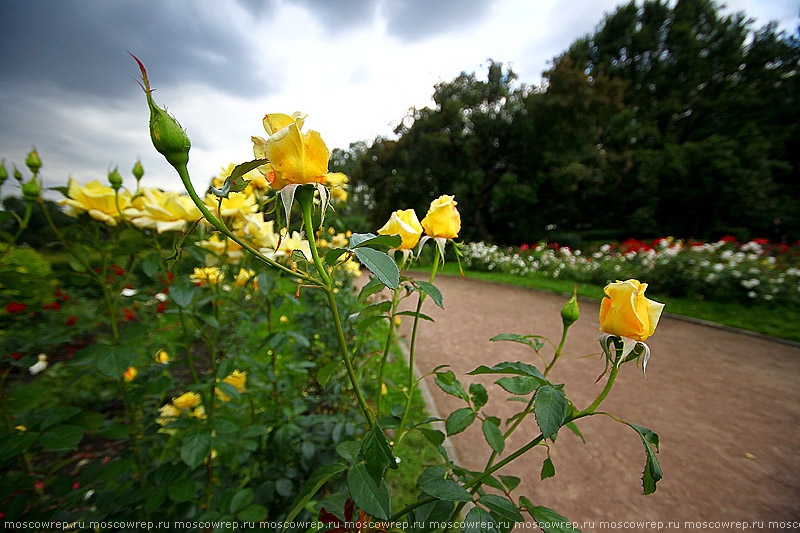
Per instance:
(725,405)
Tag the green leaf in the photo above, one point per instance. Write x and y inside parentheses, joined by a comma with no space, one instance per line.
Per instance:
(182,491)
(652,469)
(358,238)
(379,264)
(196,447)
(550,409)
(299,257)
(114,361)
(371,498)
(50,417)
(16,443)
(321,476)
(333,255)
(508,367)
(155,497)
(349,450)
(235,182)
(423,316)
(478,520)
(373,286)
(434,436)
(548,469)
(494,436)
(431,290)
(150,265)
(254,513)
(511,482)
(391,241)
(448,382)
(376,453)
(324,373)
(549,520)
(64,437)
(519,385)
(536,343)
(78,257)
(223,425)
(432,513)
(459,420)
(574,428)
(240,500)
(502,507)
(228,390)
(479,395)
(182,294)
(445,489)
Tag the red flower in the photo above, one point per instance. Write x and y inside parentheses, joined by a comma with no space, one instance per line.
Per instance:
(71,320)
(15,307)
(524,247)
(128,314)
(161,307)
(762,241)
(16,356)
(349,525)
(52,305)
(728,238)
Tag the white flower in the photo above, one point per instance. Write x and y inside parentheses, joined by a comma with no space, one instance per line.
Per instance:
(39,366)
(161,297)
(128,292)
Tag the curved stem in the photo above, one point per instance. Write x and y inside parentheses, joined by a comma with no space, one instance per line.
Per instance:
(596,403)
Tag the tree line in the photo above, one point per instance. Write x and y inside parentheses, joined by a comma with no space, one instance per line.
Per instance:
(668,120)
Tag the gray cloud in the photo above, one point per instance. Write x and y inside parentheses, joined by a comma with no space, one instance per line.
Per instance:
(82,46)
(412,20)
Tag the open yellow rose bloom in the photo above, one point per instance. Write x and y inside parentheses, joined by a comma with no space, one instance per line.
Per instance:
(294,157)
(405,224)
(96,199)
(162,210)
(442,220)
(626,312)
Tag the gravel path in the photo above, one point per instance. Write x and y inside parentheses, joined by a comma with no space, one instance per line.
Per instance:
(725,405)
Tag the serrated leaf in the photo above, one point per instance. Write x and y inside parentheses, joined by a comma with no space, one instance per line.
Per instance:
(229,390)
(445,489)
(652,469)
(63,437)
(574,428)
(391,241)
(479,395)
(549,521)
(114,361)
(333,255)
(379,264)
(358,238)
(320,476)
(548,469)
(508,367)
(478,520)
(376,453)
(550,409)
(429,515)
(195,448)
(519,385)
(349,450)
(502,507)
(299,257)
(534,341)
(370,497)
(324,373)
(434,436)
(431,290)
(459,420)
(494,436)
(511,482)
(448,382)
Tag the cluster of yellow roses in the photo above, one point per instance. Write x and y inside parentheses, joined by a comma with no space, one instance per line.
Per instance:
(189,402)
(441,222)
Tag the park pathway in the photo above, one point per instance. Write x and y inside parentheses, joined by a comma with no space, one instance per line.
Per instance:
(725,405)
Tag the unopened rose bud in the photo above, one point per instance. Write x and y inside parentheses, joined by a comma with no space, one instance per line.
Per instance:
(167,135)
(17,174)
(115,179)
(571,311)
(31,190)
(138,171)
(33,162)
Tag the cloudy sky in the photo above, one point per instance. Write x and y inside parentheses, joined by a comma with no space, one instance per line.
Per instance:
(354,66)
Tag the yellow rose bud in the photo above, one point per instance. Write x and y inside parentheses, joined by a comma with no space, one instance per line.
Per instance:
(237,380)
(443,219)
(626,312)
(162,357)
(20,428)
(405,224)
(130,374)
(187,400)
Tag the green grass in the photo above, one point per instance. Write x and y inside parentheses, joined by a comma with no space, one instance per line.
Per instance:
(775,321)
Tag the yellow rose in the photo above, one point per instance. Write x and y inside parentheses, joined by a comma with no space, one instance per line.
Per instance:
(206,275)
(187,400)
(162,357)
(256,179)
(130,374)
(405,224)
(237,204)
(168,413)
(294,157)
(443,219)
(162,211)
(244,276)
(96,199)
(337,183)
(222,247)
(237,380)
(626,312)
